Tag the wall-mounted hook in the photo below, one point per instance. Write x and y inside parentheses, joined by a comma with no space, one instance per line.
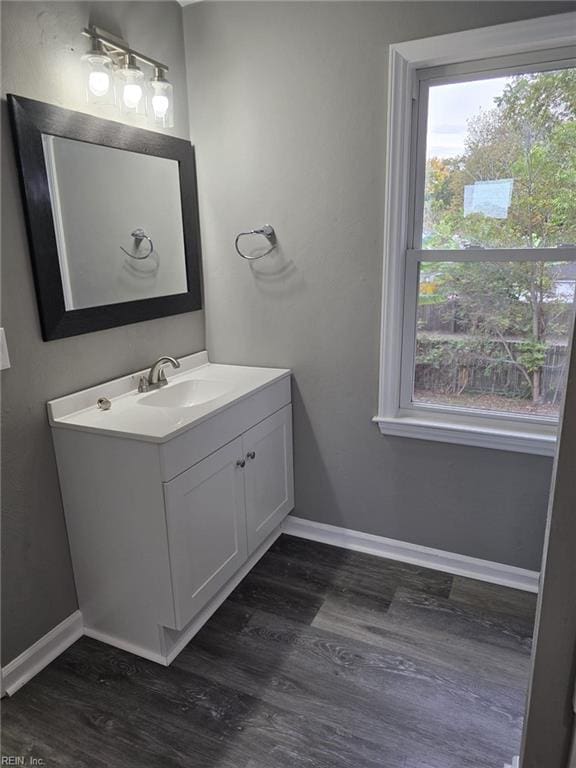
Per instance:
(138,236)
(267,231)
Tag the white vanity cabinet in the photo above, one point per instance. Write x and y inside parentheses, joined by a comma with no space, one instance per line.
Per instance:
(162,527)
(223,508)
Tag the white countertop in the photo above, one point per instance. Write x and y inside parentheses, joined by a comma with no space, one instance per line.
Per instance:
(132,416)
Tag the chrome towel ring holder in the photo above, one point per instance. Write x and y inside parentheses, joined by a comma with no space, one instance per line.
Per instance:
(138,236)
(269,234)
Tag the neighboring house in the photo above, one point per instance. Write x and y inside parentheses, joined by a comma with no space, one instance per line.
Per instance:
(565,280)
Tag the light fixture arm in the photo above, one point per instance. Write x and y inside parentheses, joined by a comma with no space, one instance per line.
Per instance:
(115,45)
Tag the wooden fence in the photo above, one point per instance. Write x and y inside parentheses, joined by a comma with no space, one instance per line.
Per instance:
(465,364)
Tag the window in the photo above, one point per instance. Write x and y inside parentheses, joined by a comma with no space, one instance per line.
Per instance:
(480,268)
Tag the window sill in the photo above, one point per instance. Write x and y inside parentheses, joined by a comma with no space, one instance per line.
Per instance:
(498,435)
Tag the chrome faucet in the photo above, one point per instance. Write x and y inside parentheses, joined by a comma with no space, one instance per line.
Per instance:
(157,375)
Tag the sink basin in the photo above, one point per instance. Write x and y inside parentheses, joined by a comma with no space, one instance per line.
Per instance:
(185,394)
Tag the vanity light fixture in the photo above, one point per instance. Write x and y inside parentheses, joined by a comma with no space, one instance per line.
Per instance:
(111,59)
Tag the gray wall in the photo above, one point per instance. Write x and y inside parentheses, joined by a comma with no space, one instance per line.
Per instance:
(41,49)
(288,114)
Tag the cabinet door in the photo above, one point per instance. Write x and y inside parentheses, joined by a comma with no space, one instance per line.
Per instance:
(269,475)
(206,524)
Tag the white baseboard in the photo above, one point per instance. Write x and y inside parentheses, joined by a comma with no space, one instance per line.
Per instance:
(436,559)
(123,645)
(39,655)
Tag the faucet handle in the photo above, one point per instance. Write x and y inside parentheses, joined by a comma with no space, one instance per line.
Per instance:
(143,385)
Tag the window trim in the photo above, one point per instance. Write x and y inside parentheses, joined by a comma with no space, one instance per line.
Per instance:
(511,434)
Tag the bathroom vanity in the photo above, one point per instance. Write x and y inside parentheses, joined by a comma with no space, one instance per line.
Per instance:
(171,496)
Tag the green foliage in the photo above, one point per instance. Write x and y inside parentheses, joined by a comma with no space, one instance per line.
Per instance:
(544,99)
(452,360)
(449,353)
(532,355)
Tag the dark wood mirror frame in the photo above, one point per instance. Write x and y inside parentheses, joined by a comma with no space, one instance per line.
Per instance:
(30,120)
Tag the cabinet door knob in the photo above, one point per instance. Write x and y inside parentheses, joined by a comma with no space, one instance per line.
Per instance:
(251,455)
(241,463)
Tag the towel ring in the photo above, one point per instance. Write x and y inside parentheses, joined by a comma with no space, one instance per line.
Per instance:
(139,235)
(268,233)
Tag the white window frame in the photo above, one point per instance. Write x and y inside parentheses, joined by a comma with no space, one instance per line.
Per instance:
(395,416)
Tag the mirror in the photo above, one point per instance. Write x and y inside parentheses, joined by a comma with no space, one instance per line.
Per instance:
(112,219)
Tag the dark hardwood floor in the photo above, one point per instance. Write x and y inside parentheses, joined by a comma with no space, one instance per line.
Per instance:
(322,658)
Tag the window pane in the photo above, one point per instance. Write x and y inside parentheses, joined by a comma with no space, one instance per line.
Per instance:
(494,335)
(501,163)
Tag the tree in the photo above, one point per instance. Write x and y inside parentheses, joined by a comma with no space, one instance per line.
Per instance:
(513,303)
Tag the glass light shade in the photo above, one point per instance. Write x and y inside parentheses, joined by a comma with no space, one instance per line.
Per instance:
(98,79)
(161,102)
(131,91)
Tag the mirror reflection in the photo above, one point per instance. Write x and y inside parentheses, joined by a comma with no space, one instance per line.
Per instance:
(118,223)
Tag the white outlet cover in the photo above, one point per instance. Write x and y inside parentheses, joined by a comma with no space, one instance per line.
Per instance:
(4,358)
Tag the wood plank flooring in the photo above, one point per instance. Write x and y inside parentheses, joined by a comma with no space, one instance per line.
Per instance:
(321,658)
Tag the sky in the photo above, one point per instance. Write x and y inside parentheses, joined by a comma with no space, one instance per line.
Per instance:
(449,108)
